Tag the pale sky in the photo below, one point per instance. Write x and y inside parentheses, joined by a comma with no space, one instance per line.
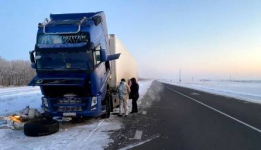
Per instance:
(209,39)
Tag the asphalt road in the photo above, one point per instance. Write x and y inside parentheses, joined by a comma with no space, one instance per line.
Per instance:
(176,118)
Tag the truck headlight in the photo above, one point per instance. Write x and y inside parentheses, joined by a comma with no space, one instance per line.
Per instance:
(45,103)
(94,101)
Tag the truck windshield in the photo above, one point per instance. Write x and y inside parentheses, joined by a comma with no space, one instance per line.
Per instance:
(65,61)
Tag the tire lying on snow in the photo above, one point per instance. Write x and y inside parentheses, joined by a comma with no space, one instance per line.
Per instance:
(41,127)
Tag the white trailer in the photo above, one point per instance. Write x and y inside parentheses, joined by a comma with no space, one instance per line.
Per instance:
(124,67)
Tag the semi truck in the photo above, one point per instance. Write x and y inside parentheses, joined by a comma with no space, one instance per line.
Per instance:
(79,65)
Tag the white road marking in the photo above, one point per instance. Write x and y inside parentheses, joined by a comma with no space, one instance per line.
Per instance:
(139,143)
(235,119)
(144,112)
(138,135)
(92,132)
(194,93)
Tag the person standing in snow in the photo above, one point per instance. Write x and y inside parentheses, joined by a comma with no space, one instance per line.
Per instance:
(124,91)
(134,95)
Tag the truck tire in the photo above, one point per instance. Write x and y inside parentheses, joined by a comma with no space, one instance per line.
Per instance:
(41,127)
(108,108)
(111,105)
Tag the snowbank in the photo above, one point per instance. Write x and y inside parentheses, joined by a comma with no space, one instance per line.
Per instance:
(144,86)
(248,91)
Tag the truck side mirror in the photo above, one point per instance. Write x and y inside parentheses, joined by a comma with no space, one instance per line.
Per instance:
(31,53)
(103,55)
(113,57)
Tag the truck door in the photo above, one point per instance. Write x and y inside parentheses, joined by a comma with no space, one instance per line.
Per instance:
(100,67)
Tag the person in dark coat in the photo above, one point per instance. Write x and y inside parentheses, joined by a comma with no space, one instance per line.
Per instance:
(134,95)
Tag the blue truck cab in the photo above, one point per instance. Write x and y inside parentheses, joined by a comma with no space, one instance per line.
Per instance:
(72,62)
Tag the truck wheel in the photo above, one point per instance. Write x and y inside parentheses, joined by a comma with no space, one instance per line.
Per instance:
(111,104)
(41,127)
(108,109)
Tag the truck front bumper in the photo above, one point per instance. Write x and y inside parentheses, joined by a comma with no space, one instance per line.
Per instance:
(83,107)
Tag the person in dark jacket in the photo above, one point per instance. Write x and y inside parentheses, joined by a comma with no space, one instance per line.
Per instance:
(134,95)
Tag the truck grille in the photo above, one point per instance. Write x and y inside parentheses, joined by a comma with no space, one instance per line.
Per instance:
(69,101)
(69,104)
(69,108)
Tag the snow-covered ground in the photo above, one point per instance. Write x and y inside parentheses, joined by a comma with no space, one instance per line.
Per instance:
(92,134)
(248,91)
(14,99)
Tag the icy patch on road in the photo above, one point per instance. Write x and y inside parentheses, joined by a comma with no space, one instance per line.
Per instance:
(93,135)
(248,91)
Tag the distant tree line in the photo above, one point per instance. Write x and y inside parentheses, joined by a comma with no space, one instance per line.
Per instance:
(15,72)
